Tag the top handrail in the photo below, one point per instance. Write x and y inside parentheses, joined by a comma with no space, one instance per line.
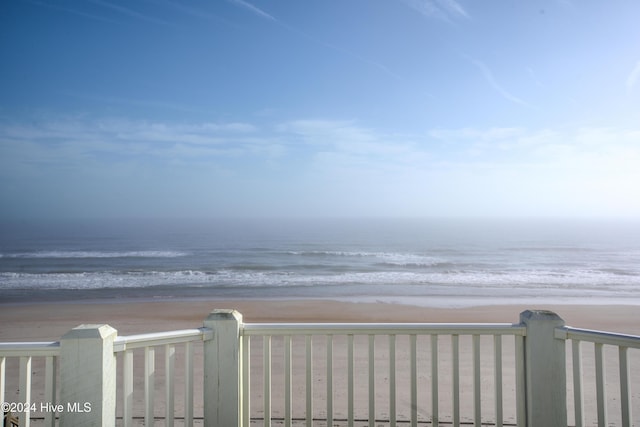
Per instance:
(130,342)
(382,329)
(42,348)
(601,337)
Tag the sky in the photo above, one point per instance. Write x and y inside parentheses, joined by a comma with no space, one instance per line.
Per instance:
(319,108)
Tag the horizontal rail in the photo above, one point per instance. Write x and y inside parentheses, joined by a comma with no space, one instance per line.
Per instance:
(13,349)
(131,342)
(258,329)
(600,337)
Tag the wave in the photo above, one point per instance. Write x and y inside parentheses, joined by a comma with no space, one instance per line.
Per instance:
(386,258)
(458,282)
(95,254)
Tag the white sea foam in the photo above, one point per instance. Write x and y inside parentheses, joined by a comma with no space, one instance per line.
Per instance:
(95,254)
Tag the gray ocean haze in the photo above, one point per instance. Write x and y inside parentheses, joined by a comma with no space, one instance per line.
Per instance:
(430,262)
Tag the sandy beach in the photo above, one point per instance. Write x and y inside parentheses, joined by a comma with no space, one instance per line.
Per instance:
(44,322)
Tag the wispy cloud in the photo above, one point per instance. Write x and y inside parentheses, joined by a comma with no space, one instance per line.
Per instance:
(304,34)
(633,77)
(489,77)
(446,10)
(457,170)
(254,9)
(534,77)
(55,6)
(192,11)
(131,13)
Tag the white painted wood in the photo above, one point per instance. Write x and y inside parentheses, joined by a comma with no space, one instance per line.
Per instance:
(245,396)
(609,338)
(169,369)
(455,359)
(149,384)
(414,379)
(521,398)
(88,376)
(309,388)
(382,328)
(578,395)
(601,392)
(127,388)
(24,395)
(266,381)
(222,382)
(497,379)
(329,380)
(477,401)
(131,342)
(372,381)
(350,373)
(287,381)
(188,384)
(50,388)
(2,378)
(625,386)
(545,366)
(392,380)
(434,381)
(33,349)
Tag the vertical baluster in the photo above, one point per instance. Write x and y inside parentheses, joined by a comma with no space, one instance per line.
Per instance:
(477,398)
(329,380)
(601,393)
(245,392)
(350,374)
(127,372)
(188,384)
(578,397)
(625,395)
(287,381)
(434,381)
(372,381)
(149,384)
(25,386)
(2,378)
(170,357)
(392,380)
(266,382)
(49,389)
(309,380)
(455,359)
(521,413)
(497,369)
(413,371)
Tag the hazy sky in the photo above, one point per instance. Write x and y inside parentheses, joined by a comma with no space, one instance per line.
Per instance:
(168,108)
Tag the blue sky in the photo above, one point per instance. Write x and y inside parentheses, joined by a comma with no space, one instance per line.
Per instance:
(167,108)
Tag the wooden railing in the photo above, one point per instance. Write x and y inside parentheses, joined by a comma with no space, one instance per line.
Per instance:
(506,373)
(623,343)
(373,334)
(147,343)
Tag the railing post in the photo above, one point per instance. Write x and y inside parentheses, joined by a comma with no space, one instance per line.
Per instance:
(545,370)
(88,377)
(222,370)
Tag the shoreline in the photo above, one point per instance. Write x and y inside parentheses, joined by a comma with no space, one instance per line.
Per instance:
(49,320)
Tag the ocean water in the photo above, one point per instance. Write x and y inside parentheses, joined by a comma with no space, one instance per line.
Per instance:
(431,262)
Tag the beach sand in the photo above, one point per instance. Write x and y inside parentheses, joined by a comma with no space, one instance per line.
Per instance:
(48,322)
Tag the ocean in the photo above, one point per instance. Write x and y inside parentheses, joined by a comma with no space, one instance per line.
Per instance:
(427,262)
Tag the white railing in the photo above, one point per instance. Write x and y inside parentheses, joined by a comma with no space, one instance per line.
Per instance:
(146,345)
(616,343)
(22,354)
(315,374)
(383,338)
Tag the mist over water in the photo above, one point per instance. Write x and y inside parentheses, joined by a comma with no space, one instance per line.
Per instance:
(421,261)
